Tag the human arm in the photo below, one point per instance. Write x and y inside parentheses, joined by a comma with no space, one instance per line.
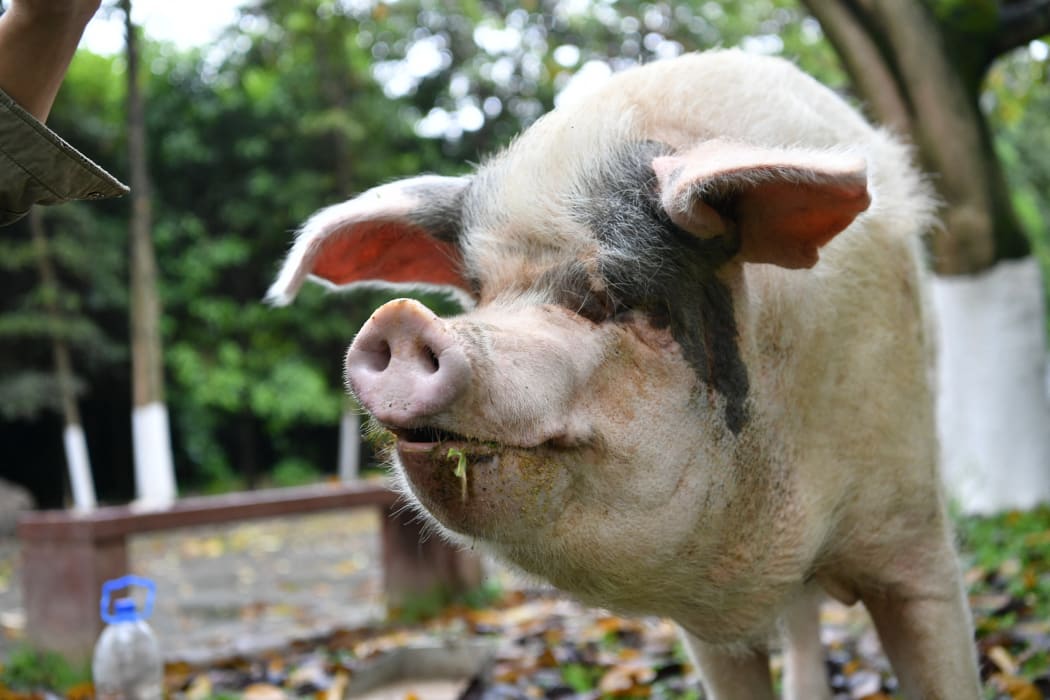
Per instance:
(37,42)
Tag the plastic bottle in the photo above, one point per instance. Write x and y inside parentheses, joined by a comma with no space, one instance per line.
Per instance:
(127,664)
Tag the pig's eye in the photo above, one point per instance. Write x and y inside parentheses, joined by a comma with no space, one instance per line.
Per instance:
(595,307)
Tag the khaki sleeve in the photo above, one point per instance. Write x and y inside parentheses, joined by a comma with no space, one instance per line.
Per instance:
(38,167)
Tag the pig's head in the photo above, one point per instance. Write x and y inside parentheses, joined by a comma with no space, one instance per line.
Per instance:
(585,415)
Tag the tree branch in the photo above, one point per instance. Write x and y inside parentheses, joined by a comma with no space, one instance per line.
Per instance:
(867,67)
(1020,23)
(948,132)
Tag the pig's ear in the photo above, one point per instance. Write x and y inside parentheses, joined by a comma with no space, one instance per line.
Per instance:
(783,203)
(403,233)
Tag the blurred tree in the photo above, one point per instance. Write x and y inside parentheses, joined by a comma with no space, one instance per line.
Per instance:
(476,73)
(254,139)
(299,105)
(87,246)
(77,460)
(154,470)
(919,65)
(52,344)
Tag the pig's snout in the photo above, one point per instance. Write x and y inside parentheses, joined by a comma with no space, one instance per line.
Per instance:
(405,365)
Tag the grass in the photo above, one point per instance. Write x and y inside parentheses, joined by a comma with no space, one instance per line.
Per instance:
(438,601)
(27,669)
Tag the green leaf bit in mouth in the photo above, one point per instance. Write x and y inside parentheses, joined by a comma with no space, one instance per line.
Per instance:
(460,470)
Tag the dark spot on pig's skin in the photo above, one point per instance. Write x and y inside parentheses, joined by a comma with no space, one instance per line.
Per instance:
(440,210)
(649,264)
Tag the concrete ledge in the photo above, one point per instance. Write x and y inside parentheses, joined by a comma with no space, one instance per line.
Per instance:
(118,521)
(67,556)
(457,660)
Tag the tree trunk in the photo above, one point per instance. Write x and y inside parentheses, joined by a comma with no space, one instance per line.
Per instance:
(920,75)
(77,461)
(350,443)
(900,62)
(154,474)
(992,409)
(334,80)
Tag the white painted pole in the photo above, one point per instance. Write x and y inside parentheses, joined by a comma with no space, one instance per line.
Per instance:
(993,411)
(349,446)
(154,473)
(79,468)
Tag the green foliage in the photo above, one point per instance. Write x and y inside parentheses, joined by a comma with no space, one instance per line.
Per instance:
(427,605)
(420,606)
(299,106)
(28,328)
(971,16)
(216,476)
(26,393)
(1018,106)
(294,472)
(580,677)
(507,61)
(28,669)
(484,596)
(1014,546)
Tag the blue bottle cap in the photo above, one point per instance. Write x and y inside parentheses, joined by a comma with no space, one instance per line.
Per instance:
(124,609)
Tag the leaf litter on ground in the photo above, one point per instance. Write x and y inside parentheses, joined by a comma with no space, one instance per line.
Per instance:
(549,647)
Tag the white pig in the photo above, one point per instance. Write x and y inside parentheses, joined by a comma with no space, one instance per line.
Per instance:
(694,379)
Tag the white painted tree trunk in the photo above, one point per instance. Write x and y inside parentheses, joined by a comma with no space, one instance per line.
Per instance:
(79,468)
(993,410)
(349,445)
(154,473)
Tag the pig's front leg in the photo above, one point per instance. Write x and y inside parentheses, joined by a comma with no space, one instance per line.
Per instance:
(805,670)
(927,639)
(731,675)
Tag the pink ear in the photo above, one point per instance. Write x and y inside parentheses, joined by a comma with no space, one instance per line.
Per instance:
(401,233)
(784,203)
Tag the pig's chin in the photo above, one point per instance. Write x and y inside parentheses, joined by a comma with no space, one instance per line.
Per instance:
(482,489)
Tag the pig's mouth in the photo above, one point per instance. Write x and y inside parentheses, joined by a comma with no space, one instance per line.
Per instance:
(427,437)
(422,447)
(475,487)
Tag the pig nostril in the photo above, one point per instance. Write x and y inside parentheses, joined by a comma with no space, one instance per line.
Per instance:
(383,356)
(378,358)
(429,355)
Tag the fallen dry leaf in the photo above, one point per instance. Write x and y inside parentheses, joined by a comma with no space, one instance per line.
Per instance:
(337,690)
(626,678)
(81,691)
(200,688)
(1017,688)
(1001,658)
(264,691)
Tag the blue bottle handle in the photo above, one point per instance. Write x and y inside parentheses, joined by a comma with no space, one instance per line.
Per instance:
(118,584)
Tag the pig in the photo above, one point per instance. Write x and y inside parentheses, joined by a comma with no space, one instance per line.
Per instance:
(693,378)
